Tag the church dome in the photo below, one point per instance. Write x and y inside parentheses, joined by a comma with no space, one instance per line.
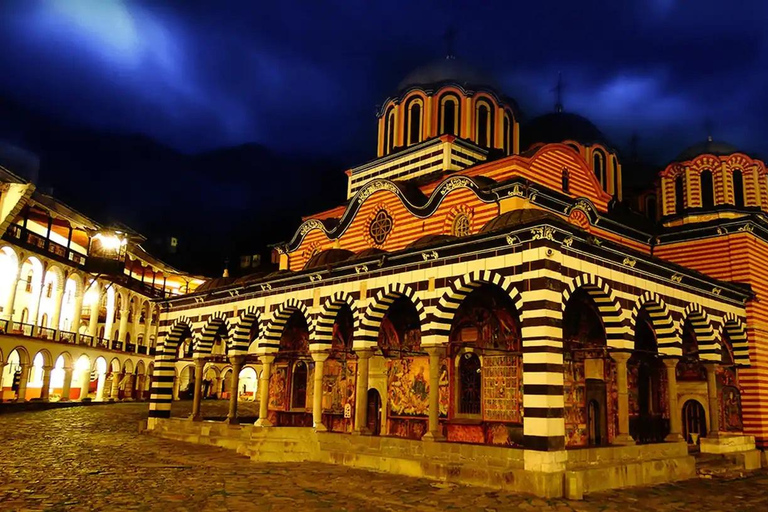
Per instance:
(447,70)
(559,127)
(708,147)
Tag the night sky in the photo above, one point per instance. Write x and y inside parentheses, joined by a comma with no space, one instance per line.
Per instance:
(300,82)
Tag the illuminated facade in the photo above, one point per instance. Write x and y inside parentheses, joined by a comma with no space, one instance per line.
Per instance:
(78,302)
(483,285)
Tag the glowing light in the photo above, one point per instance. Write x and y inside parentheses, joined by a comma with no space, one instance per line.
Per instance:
(110,242)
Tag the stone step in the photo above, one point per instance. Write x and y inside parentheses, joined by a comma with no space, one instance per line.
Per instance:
(721,467)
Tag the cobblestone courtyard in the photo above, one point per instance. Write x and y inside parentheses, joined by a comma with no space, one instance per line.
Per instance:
(86,458)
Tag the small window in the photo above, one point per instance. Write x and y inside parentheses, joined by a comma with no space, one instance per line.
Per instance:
(299,386)
(470,384)
(679,194)
(414,123)
(449,122)
(598,166)
(49,291)
(390,134)
(738,188)
(380,227)
(28,286)
(566,181)
(707,189)
(507,134)
(461,225)
(484,122)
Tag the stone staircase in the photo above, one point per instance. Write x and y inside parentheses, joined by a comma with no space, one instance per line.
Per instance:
(283,444)
(721,466)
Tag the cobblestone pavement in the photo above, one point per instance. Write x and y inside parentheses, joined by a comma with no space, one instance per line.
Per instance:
(91,458)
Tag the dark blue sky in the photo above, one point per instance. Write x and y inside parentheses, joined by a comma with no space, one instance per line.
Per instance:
(305,77)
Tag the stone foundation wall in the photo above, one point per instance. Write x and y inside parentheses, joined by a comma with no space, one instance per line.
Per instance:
(570,473)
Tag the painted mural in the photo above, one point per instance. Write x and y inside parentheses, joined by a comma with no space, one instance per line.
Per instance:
(501,388)
(408,386)
(575,412)
(729,399)
(278,388)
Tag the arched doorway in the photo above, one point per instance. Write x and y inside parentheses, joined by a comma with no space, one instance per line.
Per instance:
(647,385)
(374,412)
(290,399)
(588,375)
(407,370)
(338,400)
(485,392)
(694,422)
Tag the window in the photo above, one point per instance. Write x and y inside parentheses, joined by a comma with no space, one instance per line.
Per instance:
(44,320)
(49,291)
(679,194)
(470,384)
(299,386)
(507,134)
(28,286)
(650,207)
(449,115)
(598,166)
(566,181)
(414,123)
(461,225)
(380,227)
(614,174)
(738,188)
(389,136)
(707,189)
(484,123)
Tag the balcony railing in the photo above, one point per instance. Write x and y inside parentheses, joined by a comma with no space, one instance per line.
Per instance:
(25,237)
(57,336)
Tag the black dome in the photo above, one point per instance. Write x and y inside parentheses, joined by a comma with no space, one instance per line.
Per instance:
(708,147)
(558,127)
(445,70)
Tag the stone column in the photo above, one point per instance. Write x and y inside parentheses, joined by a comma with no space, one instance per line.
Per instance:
(317,395)
(100,387)
(175,391)
(93,321)
(123,328)
(675,414)
(2,369)
(434,433)
(237,365)
(86,384)
(622,436)
(67,387)
(45,391)
(24,377)
(217,387)
(8,308)
(115,388)
(76,316)
(57,305)
(199,365)
(266,362)
(361,394)
(714,407)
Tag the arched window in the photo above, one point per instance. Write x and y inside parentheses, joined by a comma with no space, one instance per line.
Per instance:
(566,181)
(738,188)
(299,386)
(650,207)
(389,136)
(449,114)
(24,315)
(461,225)
(414,122)
(614,174)
(44,320)
(507,134)
(679,194)
(470,383)
(707,189)
(484,124)
(598,166)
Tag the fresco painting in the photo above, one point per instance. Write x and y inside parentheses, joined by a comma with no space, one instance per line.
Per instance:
(408,386)
(278,388)
(501,388)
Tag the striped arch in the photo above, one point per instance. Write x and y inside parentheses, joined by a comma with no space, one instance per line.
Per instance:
(323,334)
(737,333)
(161,394)
(449,303)
(374,313)
(241,340)
(203,345)
(667,338)
(705,334)
(271,340)
(616,333)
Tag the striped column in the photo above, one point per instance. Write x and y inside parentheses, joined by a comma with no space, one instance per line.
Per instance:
(543,402)
(161,394)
